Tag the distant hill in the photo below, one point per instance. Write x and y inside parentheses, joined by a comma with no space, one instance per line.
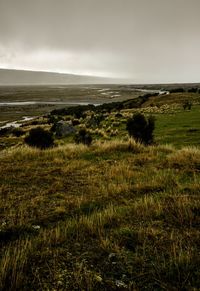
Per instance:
(22,77)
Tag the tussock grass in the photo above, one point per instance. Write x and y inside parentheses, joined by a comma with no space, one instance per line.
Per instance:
(187,157)
(114,215)
(119,145)
(26,152)
(12,265)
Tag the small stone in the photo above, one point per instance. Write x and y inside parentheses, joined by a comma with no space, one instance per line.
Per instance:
(36,226)
(120,284)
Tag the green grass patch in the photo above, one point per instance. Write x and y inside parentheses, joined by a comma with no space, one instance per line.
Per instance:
(182,128)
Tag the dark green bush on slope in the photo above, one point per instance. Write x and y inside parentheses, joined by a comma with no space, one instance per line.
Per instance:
(17,132)
(141,128)
(40,138)
(187,105)
(83,137)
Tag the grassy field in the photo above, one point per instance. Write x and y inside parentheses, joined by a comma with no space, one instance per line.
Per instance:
(116,216)
(181,128)
(113,216)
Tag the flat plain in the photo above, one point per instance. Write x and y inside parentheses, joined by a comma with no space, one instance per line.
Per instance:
(47,98)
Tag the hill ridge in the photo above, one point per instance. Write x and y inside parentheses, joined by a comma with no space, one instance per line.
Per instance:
(28,77)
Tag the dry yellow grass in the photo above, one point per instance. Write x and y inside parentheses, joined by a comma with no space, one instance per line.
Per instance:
(114,215)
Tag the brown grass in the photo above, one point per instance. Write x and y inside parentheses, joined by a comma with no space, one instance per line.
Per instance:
(115,215)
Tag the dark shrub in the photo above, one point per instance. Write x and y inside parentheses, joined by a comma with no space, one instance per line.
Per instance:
(193,90)
(53,127)
(6,131)
(141,128)
(75,122)
(17,132)
(40,138)
(95,120)
(187,105)
(83,137)
(118,115)
(53,119)
(177,90)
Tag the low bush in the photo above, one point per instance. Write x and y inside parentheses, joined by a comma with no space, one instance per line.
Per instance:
(17,132)
(83,137)
(141,128)
(75,122)
(5,131)
(40,138)
(187,105)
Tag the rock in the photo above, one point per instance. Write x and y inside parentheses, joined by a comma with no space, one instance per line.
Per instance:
(64,128)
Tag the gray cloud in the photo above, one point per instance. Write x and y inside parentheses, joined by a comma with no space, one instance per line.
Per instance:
(143,40)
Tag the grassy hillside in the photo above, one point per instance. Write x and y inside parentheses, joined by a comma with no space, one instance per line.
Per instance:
(173,125)
(116,216)
(113,216)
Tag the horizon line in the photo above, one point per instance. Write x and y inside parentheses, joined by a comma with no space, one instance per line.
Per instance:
(127,81)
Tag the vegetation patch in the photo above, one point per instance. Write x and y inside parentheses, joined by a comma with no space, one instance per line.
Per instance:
(99,223)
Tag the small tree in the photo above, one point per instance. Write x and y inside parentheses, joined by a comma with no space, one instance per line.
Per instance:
(83,137)
(141,128)
(40,138)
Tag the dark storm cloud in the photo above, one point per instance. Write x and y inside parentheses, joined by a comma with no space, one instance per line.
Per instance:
(144,40)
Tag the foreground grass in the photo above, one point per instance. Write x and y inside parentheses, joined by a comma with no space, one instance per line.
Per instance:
(116,216)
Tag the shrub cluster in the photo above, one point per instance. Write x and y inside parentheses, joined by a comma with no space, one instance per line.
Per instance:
(83,137)
(40,138)
(141,128)
(6,131)
(187,105)
(11,130)
(17,132)
(79,110)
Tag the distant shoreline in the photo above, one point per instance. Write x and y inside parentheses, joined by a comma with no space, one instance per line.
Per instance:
(25,103)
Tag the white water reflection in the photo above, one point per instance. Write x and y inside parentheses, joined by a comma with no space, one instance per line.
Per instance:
(18,123)
(160,92)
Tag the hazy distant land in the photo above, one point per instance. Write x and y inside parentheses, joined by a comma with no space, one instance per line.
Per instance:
(23,77)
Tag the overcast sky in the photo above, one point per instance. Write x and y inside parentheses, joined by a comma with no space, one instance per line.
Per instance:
(146,41)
